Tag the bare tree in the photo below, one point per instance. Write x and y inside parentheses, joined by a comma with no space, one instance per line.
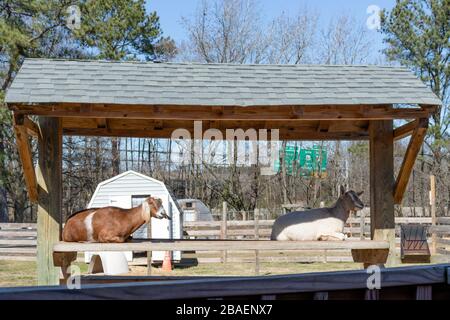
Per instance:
(225,31)
(232,31)
(291,38)
(344,41)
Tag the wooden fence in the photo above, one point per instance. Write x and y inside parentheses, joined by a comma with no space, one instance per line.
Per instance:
(18,241)
(356,227)
(440,236)
(251,229)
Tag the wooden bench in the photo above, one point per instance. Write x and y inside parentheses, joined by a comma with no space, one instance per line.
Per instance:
(363,251)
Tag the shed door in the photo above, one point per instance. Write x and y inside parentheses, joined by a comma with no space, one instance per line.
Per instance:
(160,227)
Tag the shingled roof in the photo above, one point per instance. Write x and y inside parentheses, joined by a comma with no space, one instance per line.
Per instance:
(81,81)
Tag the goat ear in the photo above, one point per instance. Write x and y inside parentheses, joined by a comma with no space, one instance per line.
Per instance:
(342,190)
(360,193)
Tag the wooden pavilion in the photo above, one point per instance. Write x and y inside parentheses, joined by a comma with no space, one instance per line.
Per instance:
(134,99)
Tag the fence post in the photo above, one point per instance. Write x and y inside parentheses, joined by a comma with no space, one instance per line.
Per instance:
(223,229)
(362,224)
(149,253)
(256,220)
(351,215)
(433,212)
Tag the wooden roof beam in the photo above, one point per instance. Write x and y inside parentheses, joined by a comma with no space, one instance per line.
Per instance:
(151,128)
(284,134)
(183,112)
(412,151)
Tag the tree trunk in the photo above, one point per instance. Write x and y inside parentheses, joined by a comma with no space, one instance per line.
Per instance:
(115,156)
(3,193)
(3,205)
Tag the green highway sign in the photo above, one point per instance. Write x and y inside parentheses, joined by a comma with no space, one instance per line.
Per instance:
(304,162)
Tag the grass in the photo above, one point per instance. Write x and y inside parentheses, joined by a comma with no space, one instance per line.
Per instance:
(247,269)
(23,273)
(17,273)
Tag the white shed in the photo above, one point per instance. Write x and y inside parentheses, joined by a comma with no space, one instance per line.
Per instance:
(128,190)
(195,210)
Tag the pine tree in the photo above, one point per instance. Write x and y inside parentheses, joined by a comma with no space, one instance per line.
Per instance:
(121,29)
(38,29)
(417,34)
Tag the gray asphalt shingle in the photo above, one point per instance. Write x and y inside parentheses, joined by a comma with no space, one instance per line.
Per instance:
(72,81)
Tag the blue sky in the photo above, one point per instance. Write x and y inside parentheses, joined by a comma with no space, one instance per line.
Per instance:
(171,11)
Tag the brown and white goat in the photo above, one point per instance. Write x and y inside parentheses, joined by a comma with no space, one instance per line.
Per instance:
(111,224)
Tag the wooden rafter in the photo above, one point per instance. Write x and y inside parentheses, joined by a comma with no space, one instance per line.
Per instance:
(166,134)
(412,151)
(23,145)
(183,112)
(291,129)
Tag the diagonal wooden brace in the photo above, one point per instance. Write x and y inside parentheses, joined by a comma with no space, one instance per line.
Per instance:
(412,151)
(26,157)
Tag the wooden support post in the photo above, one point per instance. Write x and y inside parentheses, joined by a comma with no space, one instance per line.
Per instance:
(412,151)
(223,229)
(382,223)
(433,212)
(256,219)
(49,199)
(170,212)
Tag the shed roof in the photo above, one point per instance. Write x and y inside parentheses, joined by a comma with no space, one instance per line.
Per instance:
(130,172)
(147,83)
